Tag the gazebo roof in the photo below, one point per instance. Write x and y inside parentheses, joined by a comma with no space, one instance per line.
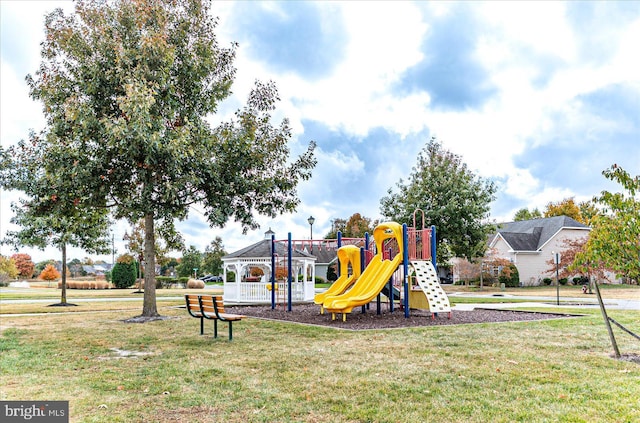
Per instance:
(262,249)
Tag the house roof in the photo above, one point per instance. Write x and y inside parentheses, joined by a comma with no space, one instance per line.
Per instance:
(262,249)
(531,235)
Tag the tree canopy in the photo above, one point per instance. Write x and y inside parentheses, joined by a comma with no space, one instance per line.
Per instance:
(59,209)
(452,197)
(212,257)
(354,227)
(526,214)
(8,270)
(24,264)
(614,241)
(127,88)
(191,262)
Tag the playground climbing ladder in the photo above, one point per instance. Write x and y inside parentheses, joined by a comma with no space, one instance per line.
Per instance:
(428,281)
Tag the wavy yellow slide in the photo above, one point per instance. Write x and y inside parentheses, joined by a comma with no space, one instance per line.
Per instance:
(349,254)
(374,277)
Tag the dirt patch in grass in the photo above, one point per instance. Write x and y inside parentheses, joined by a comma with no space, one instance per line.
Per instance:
(356,320)
(634,358)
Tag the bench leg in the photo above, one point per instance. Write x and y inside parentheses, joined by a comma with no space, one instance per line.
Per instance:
(215,328)
(230,330)
(202,326)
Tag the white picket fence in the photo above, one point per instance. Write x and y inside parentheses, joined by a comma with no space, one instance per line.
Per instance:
(260,293)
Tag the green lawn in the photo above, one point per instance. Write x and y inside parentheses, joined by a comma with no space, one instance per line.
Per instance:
(554,370)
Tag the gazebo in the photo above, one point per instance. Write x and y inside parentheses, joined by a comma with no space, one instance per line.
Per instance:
(256,289)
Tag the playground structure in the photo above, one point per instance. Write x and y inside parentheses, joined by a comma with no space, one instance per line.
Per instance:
(400,265)
(398,249)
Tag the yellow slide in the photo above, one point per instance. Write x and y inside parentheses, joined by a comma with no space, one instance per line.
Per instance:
(374,277)
(349,254)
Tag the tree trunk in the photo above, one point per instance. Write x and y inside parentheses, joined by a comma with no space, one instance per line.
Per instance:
(149,306)
(63,298)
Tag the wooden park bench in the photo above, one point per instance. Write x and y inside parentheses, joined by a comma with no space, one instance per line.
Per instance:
(210,307)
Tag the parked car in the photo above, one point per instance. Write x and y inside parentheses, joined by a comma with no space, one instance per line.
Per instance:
(446,279)
(211,278)
(206,278)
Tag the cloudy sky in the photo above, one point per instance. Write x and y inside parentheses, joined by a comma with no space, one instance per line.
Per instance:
(539,97)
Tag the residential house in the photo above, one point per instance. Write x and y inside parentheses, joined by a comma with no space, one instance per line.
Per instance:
(529,244)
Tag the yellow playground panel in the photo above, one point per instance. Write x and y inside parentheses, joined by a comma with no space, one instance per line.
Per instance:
(349,255)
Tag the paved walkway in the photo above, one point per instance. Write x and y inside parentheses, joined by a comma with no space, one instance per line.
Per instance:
(588,301)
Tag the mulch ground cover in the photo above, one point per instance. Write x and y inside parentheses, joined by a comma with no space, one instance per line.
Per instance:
(356,320)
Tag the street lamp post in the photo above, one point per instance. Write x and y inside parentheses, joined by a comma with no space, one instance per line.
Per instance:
(311,221)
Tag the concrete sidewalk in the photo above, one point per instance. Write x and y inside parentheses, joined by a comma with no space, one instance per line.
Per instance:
(588,301)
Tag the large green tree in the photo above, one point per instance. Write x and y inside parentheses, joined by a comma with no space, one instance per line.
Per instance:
(59,209)
(212,257)
(614,241)
(190,263)
(130,85)
(452,197)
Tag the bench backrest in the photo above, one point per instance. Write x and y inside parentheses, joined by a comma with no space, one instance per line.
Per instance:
(206,304)
(219,304)
(193,304)
(211,304)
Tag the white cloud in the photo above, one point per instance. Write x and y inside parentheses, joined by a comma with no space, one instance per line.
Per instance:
(539,64)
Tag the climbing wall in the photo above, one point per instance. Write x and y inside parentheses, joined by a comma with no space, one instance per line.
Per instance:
(428,281)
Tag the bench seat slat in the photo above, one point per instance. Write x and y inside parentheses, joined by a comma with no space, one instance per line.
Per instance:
(226,316)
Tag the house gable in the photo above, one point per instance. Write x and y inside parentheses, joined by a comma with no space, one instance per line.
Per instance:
(533,235)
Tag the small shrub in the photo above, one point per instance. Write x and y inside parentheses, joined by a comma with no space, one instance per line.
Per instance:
(547,281)
(195,284)
(165,281)
(331,273)
(581,280)
(563,281)
(123,274)
(510,278)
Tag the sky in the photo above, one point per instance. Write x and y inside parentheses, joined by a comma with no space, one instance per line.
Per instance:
(539,97)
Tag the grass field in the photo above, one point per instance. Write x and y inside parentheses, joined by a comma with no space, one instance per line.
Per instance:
(545,371)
